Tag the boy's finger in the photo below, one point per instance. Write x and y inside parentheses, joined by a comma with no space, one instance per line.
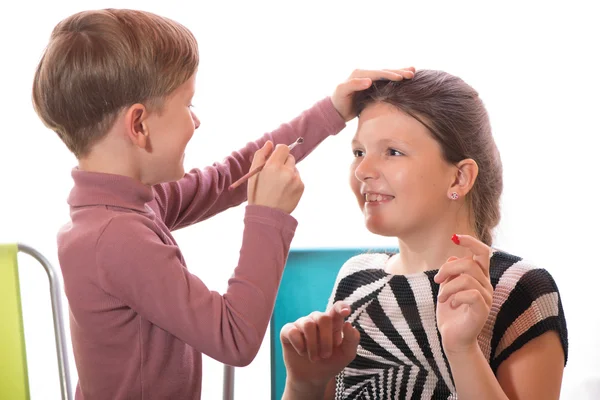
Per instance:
(380,74)
(407,73)
(290,161)
(356,85)
(261,155)
(279,155)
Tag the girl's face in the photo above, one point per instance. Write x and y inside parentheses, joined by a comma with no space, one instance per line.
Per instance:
(399,175)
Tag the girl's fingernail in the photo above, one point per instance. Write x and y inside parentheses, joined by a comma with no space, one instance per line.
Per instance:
(455,239)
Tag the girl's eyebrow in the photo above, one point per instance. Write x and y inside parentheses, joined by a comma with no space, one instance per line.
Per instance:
(385,142)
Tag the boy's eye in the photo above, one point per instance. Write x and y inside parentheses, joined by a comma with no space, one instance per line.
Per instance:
(394,152)
(358,153)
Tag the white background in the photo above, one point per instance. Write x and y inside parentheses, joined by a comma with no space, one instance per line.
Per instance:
(535,65)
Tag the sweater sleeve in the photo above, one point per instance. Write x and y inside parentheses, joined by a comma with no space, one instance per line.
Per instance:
(532,308)
(201,194)
(137,267)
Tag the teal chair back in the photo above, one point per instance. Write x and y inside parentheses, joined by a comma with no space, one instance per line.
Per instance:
(305,287)
(14,380)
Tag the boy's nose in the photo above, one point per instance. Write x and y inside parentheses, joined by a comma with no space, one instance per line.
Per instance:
(196,121)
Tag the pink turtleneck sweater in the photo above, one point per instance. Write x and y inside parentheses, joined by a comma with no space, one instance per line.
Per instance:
(140,321)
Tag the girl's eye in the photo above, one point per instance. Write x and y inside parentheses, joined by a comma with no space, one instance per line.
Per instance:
(358,153)
(393,152)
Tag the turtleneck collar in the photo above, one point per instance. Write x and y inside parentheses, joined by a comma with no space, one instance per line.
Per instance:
(95,188)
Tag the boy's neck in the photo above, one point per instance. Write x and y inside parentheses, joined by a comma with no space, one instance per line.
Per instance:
(111,156)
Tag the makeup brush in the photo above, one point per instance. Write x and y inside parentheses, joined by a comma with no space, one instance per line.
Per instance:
(258,169)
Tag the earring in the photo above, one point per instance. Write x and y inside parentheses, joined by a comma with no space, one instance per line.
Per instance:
(454,195)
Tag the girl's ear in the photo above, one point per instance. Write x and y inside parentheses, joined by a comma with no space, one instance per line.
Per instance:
(464,178)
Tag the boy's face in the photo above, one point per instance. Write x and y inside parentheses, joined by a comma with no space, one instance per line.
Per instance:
(170,131)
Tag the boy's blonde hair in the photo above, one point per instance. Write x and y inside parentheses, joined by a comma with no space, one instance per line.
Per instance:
(97,63)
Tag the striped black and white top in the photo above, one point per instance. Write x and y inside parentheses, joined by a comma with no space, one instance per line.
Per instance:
(400,355)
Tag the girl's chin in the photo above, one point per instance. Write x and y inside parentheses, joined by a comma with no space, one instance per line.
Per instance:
(381,230)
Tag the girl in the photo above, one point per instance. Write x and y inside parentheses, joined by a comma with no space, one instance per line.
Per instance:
(442,319)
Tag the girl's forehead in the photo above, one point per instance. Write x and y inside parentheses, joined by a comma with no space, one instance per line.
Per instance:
(390,127)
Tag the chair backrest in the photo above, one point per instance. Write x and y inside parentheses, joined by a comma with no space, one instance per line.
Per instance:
(13,362)
(305,287)
(14,381)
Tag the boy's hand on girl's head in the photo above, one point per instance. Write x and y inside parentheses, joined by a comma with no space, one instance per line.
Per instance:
(360,80)
(317,347)
(278,185)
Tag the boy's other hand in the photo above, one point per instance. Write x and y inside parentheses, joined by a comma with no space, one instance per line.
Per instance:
(362,79)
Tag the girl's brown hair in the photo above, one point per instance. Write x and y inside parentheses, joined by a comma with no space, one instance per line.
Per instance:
(457,119)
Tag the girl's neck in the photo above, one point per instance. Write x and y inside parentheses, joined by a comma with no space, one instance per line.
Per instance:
(426,251)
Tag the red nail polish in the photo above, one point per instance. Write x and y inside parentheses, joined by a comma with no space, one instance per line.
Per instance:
(455,239)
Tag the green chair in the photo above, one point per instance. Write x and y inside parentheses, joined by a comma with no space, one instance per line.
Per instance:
(305,287)
(14,380)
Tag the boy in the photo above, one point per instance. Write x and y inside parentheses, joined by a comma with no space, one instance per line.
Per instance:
(116,86)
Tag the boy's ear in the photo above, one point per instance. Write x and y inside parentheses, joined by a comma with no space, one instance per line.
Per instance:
(464,178)
(137,126)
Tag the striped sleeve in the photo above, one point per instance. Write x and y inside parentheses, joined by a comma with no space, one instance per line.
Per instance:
(342,273)
(531,308)
(345,284)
